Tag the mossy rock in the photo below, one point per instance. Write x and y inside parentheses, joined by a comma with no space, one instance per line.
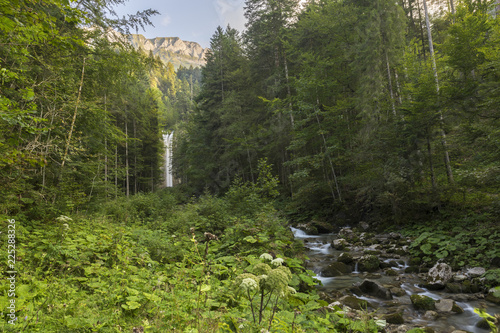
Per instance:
(369,263)
(494,295)
(422,302)
(345,257)
(394,318)
(336,269)
(412,269)
(415,261)
(391,272)
(453,288)
(354,303)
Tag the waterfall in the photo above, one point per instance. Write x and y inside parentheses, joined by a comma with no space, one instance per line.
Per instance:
(167,140)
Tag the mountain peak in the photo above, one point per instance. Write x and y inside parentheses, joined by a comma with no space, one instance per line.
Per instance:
(171,49)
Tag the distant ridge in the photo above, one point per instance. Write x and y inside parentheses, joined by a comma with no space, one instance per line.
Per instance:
(171,49)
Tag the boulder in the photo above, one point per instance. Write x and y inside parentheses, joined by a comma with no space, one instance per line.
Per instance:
(354,303)
(368,263)
(345,257)
(346,232)
(439,275)
(448,306)
(494,295)
(339,244)
(421,302)
(430,315)
(394,318)
(475,272)
(375,289)
(336,269)
(459,277)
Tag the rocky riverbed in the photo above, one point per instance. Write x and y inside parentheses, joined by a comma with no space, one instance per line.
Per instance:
(362,271)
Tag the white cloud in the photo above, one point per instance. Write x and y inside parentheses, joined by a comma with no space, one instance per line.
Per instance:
(231,12)
(165,20)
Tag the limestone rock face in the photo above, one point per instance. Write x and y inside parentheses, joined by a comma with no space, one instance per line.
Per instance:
(440,274)
(171,49)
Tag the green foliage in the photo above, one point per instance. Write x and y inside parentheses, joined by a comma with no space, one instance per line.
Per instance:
(457,241)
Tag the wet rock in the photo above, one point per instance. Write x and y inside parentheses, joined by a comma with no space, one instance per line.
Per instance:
(475,272)
(354,303)
(415,261)
(494,295)
(448,306)
(483,324)
(322,227)
(439,275)
(412,269)
(375,289)
(368,263)
(421,302)
(336,269)
(398,291)
(340,244)
(391,272)
(346,258)
(470,287)
(431,315)
(394,318)
(346,233)
(308,228)
(453,288)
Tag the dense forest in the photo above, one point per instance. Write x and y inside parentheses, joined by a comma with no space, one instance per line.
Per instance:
(320,115)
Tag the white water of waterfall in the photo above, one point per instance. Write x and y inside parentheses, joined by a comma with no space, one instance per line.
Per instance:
(167,140)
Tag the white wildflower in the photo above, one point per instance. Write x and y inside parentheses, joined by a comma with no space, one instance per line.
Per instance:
(64,218)
(291,290)
(266,256)
(277,262)
(249,284)
(66,226)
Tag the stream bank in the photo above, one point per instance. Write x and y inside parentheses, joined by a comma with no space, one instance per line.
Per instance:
(364,271)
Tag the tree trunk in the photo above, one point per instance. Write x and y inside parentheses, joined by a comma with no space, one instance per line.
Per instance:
(127,177)
(447,163)
(421,29)
(390,83)
(431,165)
(74,117)
(135,159)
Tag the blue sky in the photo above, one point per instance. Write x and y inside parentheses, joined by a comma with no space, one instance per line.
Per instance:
(190,20)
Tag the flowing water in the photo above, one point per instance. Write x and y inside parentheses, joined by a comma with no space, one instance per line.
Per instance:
(321,254)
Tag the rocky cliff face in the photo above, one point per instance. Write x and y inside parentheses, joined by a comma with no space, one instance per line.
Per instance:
(171,49)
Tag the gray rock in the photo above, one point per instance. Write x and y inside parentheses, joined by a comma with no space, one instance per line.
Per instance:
(430,314)
(336,269)
(339,244)
(448,306)
(346,258)
(375,289)
(459,277)
(476,272)
(439,275)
